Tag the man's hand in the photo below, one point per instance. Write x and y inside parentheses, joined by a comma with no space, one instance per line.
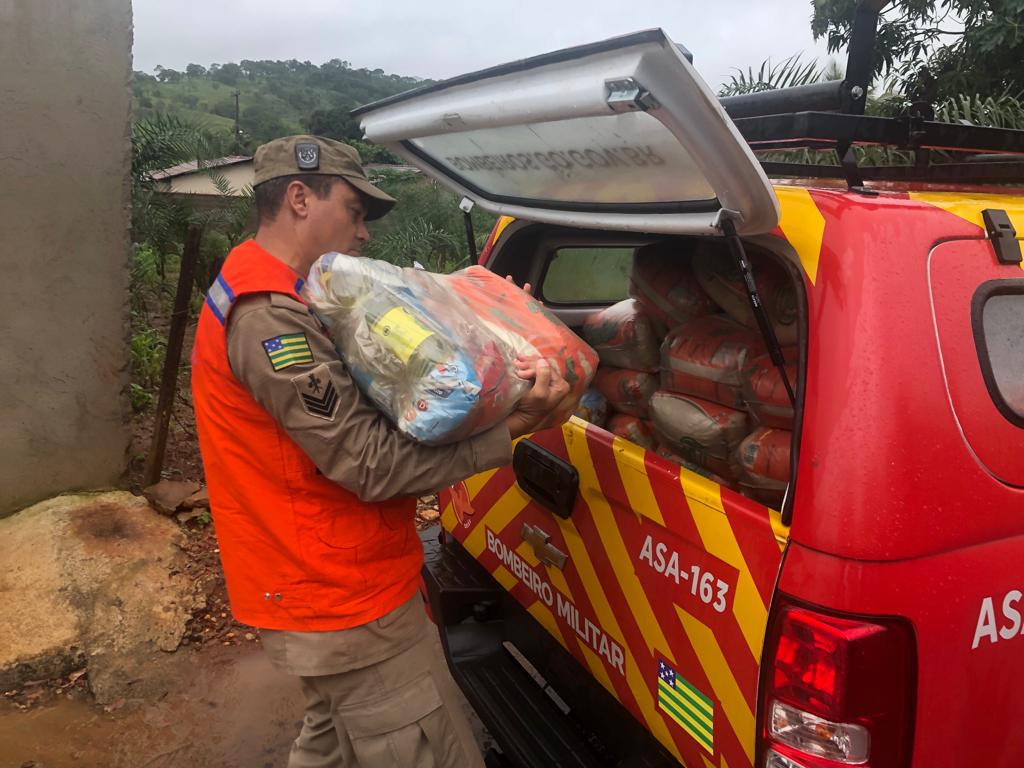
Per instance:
(546,396)
(526,286)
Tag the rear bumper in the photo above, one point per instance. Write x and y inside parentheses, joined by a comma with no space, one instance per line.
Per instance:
(548,712)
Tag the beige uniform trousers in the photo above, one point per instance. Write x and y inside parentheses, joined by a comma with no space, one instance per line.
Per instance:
(401,710)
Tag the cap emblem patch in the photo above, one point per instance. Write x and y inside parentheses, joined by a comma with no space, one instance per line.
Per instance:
(307,156)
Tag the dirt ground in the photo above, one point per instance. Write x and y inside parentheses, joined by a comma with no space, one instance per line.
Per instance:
(231,709)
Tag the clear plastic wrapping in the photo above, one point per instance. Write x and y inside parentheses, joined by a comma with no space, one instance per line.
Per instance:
(706,356)
(699,431)
(624,337)
(435,353)
(627,391)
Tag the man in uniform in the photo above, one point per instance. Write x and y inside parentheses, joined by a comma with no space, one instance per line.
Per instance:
(313,490)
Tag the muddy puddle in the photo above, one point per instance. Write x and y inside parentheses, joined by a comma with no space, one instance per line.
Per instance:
(231,710)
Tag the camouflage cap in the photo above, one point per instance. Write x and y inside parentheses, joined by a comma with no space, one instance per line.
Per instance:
(292,155)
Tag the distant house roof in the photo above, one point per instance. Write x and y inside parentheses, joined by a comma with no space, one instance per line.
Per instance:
(193,165)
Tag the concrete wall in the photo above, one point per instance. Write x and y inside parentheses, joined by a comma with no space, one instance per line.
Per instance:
(65,70)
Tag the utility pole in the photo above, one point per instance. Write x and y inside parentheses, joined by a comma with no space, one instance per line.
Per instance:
(238,128)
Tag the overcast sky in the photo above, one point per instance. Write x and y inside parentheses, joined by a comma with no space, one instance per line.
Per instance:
(449,37)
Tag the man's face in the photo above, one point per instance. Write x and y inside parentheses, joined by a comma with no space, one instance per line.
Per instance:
(337,222)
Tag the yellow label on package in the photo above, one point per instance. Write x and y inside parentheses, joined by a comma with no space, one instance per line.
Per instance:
(401,332)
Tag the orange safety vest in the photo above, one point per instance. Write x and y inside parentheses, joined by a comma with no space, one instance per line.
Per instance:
(299,551)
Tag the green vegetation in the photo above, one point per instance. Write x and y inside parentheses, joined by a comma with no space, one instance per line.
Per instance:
(938,50)
(275,98)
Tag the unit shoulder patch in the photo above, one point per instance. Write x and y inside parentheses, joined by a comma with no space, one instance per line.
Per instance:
(317,393)
(287,350)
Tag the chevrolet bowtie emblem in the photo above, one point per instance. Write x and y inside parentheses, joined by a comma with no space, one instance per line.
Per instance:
(545,551)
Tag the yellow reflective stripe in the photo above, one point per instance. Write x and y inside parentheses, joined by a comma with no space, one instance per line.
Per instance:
(969,207)
(448,519)
(545,618)
(476,483)
(597,668)
(709,764)
(618,556)
(605,616)
(635,480)
(726,689)
(505,577)
(504,511)
(719,541)
(781,531)
(802,225)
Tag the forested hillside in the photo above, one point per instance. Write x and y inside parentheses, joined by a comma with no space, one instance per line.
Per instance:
(275,98)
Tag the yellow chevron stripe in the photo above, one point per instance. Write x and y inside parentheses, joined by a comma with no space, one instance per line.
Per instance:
(630,458)
(618,556)
(605,616)
(557,579)
(719,541)
(476,483)
(504,511)
(505,577)
(970,206)
(597,668)
(709,764)
(545,617)
(727,690)
(802,225)
(781,531)
(448,519)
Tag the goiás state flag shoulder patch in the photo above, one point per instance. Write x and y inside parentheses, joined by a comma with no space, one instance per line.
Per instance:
(287,350)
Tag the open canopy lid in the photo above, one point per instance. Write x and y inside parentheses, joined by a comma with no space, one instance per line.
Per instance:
(621,134)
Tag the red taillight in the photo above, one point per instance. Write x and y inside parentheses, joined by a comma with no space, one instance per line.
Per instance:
(836,690)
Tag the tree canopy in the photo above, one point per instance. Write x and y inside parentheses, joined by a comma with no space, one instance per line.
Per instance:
(938,48)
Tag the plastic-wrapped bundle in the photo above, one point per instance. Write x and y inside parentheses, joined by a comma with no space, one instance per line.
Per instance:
(721,279)
(662,280)
(706,356)
(627,391)
(633,429)
(593,407)
(623,337)
(700,431)
(431,362)
(513,314)
(764,458)
(764,392)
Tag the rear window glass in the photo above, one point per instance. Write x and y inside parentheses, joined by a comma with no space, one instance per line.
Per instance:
(588,275)
(1000,335)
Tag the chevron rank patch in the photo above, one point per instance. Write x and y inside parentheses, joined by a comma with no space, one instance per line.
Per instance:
(288,349)
(317,393)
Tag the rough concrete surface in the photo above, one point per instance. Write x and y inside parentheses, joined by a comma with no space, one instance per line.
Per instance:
(64,246)
(97,581)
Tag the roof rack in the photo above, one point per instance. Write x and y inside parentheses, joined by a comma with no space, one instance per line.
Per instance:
(830,116)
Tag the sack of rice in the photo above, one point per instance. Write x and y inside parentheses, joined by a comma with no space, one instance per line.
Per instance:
(633,429)
(721,279)
(764,458)
(627,391)
(700,431)
(662,280)
(705,358)
(623,337)
(764,391)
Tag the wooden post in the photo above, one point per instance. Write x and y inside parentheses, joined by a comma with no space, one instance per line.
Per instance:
(175,341)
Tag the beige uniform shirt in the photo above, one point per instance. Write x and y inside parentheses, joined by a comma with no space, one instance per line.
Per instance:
(347,438)
(351,443)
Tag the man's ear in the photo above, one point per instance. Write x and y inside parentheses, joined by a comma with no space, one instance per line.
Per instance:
(296,198)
